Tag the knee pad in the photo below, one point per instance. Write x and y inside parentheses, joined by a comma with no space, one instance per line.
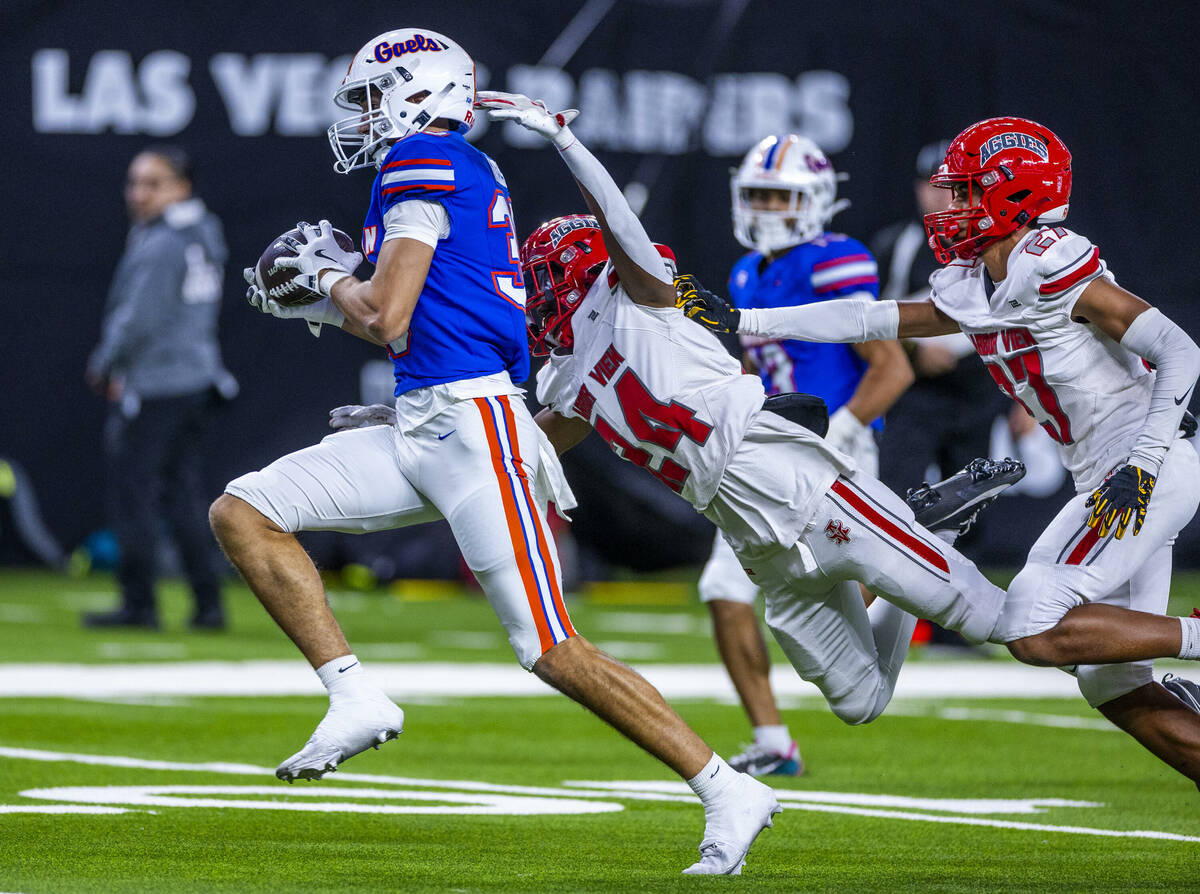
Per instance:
(1037,599)
(1101,683)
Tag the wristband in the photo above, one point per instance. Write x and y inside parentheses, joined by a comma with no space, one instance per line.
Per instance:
(563,139)
(329,279)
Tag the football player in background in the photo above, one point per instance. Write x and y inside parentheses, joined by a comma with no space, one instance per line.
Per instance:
(1060,337)
(665,395)
(447,301)
(784,194)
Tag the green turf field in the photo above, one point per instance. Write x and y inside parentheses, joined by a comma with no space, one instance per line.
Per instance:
(530,793)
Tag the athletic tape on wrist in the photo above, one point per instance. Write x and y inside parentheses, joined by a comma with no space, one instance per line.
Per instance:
(329,279)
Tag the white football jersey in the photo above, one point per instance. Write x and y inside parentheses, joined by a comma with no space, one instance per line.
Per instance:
(660,389)
(1086,390)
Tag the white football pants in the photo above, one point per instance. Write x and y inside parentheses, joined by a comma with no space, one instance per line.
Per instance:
(1070,564)
(476,464)
(723,577)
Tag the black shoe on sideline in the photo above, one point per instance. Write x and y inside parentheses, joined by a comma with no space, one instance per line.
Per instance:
(209,619)
(122,617)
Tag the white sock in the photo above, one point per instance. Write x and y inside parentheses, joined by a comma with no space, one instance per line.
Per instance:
(712,781)
(776,739)
(1190,642)
(344,678)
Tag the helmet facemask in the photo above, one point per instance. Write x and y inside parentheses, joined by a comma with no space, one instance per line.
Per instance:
(788,164)
(962,232)
(555,286)
(771,231)
(387,116)
(399,84)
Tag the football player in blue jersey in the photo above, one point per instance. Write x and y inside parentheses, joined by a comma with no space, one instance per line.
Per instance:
(784,195)
(447,301)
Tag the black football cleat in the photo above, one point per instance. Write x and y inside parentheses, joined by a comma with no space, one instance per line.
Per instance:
(209,619)
(953,504)
(1187,691)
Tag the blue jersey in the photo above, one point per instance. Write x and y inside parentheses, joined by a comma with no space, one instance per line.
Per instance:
(830,266)
(470,318)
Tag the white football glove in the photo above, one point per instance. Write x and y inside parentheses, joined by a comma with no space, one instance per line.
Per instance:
(356,416)
(844,430)
(319,251)
(316,314)
(531,114)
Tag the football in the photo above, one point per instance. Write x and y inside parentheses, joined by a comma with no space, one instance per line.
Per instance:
(277,281)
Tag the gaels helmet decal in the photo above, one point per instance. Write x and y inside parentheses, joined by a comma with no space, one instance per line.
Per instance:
(386,73)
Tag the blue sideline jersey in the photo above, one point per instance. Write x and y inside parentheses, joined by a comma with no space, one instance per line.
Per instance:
(470,318)
(830,266)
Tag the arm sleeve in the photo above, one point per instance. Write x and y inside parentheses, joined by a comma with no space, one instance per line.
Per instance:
(842,320)
(622,221)
(1152,336)
(421,219)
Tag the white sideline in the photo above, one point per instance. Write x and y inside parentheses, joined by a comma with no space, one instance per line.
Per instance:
(974,679)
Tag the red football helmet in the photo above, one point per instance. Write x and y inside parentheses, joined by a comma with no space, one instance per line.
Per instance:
(559,262)
(1014,171)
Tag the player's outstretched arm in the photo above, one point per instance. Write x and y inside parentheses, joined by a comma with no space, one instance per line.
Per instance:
(843,320)
(637,262)
(563,432)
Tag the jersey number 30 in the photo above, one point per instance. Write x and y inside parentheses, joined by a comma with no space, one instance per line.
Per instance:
(507,282)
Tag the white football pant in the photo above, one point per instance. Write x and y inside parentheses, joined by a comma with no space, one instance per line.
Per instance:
(476,464)
(1071,564)
(723,577)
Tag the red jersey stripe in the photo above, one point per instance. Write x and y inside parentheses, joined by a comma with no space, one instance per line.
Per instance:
(844,259)
(404,162)
(846,283)
(400,187)
(1090,266)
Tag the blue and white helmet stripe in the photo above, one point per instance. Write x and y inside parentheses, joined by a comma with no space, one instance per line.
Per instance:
(796,165)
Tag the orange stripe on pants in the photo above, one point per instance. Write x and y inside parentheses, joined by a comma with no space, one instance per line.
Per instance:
(516,534)
(543,544)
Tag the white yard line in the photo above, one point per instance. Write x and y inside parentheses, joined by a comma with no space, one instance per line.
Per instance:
(977,679)
(490,798)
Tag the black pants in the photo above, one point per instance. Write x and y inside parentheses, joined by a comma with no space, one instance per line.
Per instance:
(154,464)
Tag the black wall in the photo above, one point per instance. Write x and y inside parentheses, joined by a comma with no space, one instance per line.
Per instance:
(690,85)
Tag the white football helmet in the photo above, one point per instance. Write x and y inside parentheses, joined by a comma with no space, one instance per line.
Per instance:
(795,164)
(383,75)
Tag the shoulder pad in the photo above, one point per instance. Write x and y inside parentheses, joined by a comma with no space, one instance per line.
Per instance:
(416,167)
(842,266)
(1057,260)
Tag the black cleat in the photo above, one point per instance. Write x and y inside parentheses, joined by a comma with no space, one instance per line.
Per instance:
(1187,691)
(208,619)
(953,504)
(122,617)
